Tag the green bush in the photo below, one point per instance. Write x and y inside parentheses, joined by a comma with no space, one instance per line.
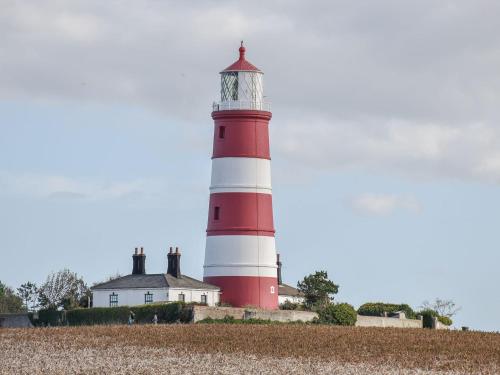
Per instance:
(341,314)
(445,320)
(379,308)
(166,313)
(427,317)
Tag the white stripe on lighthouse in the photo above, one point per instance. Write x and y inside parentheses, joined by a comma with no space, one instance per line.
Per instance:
(240,256)
(246,175)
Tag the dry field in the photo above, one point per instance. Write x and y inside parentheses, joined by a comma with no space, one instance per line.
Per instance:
(244,349)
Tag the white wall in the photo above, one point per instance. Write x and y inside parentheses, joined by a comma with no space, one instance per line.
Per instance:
(128,297)
(134,297)
(194,295)
(379,321)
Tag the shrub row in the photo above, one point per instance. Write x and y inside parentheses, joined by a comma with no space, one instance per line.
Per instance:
(379,308)
(166,313)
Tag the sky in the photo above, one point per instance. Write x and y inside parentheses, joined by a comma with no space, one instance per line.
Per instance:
(385,140)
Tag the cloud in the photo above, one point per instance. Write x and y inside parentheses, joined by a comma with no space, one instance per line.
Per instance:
(418,150)
(385,204)
(61,187)
(410,88)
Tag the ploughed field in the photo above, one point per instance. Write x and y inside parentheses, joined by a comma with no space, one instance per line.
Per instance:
(243,349)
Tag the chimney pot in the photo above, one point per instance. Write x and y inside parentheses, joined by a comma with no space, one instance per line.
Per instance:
(139,262)
(174,263)
(171,250)
(279,264)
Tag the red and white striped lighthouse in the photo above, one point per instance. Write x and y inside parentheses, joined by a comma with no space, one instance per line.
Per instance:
(240,254)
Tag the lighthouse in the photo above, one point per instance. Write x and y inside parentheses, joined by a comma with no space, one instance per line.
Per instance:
(240,253)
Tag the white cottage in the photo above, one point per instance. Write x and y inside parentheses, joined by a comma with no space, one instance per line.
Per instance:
(140,288)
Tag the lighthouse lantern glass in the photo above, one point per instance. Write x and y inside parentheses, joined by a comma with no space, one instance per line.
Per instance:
(241,90)
(229,86)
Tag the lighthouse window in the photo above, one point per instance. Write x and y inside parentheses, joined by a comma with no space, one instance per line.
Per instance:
(222,132)
(148,298)
(272,289)
(216,213)
(229,86)
(113,300)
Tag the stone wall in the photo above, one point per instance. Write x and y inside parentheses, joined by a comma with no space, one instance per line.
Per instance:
(436,324)
(379,321)
(203,312)
(15,321)
(281,315)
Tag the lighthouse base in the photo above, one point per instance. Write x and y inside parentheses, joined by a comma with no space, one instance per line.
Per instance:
(246,291)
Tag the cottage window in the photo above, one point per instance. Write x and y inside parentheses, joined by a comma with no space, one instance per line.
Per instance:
(203,298)
(148,298)
(113,300)
(182,297)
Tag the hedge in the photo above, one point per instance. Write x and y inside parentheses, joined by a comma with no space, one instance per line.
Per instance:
(49,318)
(341,314)
(379,308)
(166,313)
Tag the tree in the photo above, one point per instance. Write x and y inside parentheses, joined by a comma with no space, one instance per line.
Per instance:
(28,292)
(63,289)
(9,302)
(341,314)
(317,289)
(443,307)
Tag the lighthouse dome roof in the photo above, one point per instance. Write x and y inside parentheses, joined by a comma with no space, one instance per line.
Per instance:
(242,65)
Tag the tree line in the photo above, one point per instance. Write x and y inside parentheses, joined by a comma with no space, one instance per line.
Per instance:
(318,292)
(61,290)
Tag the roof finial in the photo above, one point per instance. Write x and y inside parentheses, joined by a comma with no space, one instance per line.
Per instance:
(242,51)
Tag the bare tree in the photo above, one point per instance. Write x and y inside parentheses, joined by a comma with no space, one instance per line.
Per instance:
(443,307)
(62,289)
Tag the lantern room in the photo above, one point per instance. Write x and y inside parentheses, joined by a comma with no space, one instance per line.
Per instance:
(241,86)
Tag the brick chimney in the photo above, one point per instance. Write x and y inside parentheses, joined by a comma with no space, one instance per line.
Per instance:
(174,262)
(278,263)
(139,262)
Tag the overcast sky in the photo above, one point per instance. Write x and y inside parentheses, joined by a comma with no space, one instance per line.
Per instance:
(385,139)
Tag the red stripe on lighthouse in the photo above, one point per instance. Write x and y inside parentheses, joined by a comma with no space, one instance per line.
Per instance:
(240,214)
(241,133)
(247,290)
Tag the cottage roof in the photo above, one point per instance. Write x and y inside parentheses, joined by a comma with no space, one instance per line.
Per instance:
(287,290)
(154,281)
